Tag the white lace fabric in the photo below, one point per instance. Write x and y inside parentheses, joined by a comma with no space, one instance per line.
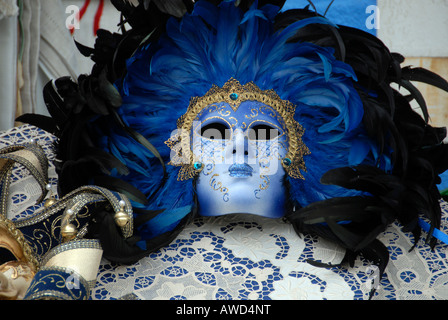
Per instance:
(245,257)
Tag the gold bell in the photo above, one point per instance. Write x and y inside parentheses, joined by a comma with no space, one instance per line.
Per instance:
(51,199)
(121,218)
(68,232)
(49,202)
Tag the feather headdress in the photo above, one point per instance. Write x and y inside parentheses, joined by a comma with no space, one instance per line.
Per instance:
(373,160)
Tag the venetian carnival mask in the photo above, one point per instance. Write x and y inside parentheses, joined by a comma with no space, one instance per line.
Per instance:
(239,142)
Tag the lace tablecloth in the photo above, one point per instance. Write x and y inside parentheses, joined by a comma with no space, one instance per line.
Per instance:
(244,257)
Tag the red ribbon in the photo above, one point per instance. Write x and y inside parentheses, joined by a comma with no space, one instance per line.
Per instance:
(98,14)
(97,19)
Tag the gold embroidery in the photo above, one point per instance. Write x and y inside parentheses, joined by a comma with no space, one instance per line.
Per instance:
(233,93)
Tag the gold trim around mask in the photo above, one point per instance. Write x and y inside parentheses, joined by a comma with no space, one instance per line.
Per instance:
(233,93)
(13,240)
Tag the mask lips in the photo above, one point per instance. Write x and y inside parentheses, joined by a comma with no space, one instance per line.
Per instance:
(240,170)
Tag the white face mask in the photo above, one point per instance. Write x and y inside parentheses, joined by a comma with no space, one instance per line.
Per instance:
(239,142)
(240,153)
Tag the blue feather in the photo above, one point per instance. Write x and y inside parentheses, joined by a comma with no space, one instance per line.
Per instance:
(358,152)
(164,222)
(327,66)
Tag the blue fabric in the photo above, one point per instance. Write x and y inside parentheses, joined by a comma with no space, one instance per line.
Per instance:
(352,13)
(444,185)
(436,232)
(59,284)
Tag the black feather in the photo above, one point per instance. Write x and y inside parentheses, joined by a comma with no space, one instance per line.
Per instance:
(176,8)
(379,254)
(380,125)
(120,186)
(115,247)
(364,178)
(416,94)
(55,104)
(352,222)
(44,122)
(322,35)
(425,76)
(107,91)
(104,160)
(338,209)
(84,50)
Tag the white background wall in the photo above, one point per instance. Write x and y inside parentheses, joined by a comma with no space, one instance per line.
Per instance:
(416,28)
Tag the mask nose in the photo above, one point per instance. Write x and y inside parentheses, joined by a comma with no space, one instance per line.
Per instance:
(239,150)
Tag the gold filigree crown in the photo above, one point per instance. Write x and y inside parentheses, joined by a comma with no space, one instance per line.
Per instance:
(233,93)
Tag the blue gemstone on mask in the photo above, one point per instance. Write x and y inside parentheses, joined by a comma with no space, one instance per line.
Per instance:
(287,161)
(197,165)
(233,96)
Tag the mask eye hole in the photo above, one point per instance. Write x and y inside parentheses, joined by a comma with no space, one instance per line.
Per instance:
(263,132)
(215,131)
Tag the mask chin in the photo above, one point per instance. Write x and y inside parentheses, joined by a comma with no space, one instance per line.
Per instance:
(242,197)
